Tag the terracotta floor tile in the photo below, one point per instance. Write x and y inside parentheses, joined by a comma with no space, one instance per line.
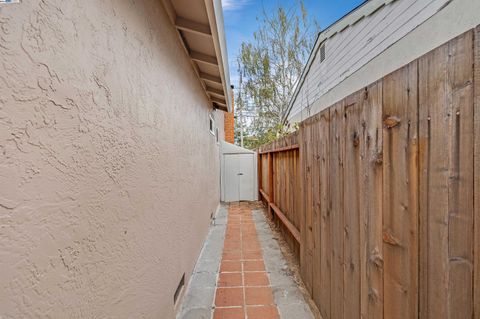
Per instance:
(232,246)
(229,313)
(250,247)
(230,266)
(252,254)
(227,297)
(258,296)
(262,312)
(232,255)
(230,280)
(256,279)
(256,265)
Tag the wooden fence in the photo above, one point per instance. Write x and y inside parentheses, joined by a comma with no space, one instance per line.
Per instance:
(279,166)
(380,193)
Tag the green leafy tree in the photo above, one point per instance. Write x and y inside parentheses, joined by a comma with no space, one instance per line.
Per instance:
(269,68)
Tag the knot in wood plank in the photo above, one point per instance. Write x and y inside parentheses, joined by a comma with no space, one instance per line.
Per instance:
(391,121)
(388,238)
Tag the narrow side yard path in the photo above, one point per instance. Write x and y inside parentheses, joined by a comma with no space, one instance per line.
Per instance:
(242,273)
(243,287)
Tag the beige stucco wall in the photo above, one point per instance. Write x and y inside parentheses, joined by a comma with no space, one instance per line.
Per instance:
(108,172)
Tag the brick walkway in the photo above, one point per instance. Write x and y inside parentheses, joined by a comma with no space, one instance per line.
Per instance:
(243,287)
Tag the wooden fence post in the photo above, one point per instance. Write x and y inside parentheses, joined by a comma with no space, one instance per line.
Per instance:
(271,191)
(476,211)
(259,173)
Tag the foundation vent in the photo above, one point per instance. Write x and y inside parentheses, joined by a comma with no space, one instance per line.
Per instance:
(179,289)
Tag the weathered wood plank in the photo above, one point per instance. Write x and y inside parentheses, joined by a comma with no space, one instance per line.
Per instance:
(460,186)
(306,230)
(301,200)
(309,209)
(271,177)
(295,233)
(336,204)
(259,175)
(476,211)
(265,196)
(371,204)
(281,149)
(325,224)
(400,196)
(265,173)
(434,108)
(352,189)
(315,167)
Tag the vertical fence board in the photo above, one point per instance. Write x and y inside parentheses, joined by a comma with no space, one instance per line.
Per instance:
(315,168)
(308,243)
(432,103)
(301,202)
(460,188)
(259,174)
(400,196)
(476,210)
(298,193)
(310,207)
(336,158)
(325,224)
(351,189)
(423,191)
(371,203)
(264,185)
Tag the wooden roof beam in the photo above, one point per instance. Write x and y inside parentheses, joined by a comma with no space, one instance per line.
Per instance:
(203,58)
(218,101)
(210,78)
(220,107)
(192,26)
(216,92)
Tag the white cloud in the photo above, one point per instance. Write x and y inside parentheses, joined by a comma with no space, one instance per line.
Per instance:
(232,5)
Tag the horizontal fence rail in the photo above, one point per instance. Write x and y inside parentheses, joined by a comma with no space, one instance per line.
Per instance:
(379,194)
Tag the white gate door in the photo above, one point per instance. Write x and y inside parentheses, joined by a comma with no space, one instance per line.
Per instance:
(239,177)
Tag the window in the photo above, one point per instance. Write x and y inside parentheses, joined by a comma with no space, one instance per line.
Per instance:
(322,52)
(212,125)
(217,139)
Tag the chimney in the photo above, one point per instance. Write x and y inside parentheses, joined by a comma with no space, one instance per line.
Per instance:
(230,122)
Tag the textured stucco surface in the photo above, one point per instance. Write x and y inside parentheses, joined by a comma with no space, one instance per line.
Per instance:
(108,171)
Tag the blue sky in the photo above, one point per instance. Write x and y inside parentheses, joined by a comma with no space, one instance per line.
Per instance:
(240,19)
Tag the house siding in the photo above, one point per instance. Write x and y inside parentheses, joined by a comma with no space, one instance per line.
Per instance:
(392,31)
(108,171)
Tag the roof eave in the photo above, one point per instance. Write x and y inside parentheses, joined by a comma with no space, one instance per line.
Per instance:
(215,31)
(215,16)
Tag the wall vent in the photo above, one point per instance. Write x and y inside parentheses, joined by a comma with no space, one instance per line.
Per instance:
(322,52)
(179,289)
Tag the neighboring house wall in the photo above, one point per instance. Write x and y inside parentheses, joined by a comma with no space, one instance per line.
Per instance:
(108,171)
(378,44)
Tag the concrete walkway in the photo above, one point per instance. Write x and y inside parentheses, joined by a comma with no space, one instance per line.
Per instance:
(242,273)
